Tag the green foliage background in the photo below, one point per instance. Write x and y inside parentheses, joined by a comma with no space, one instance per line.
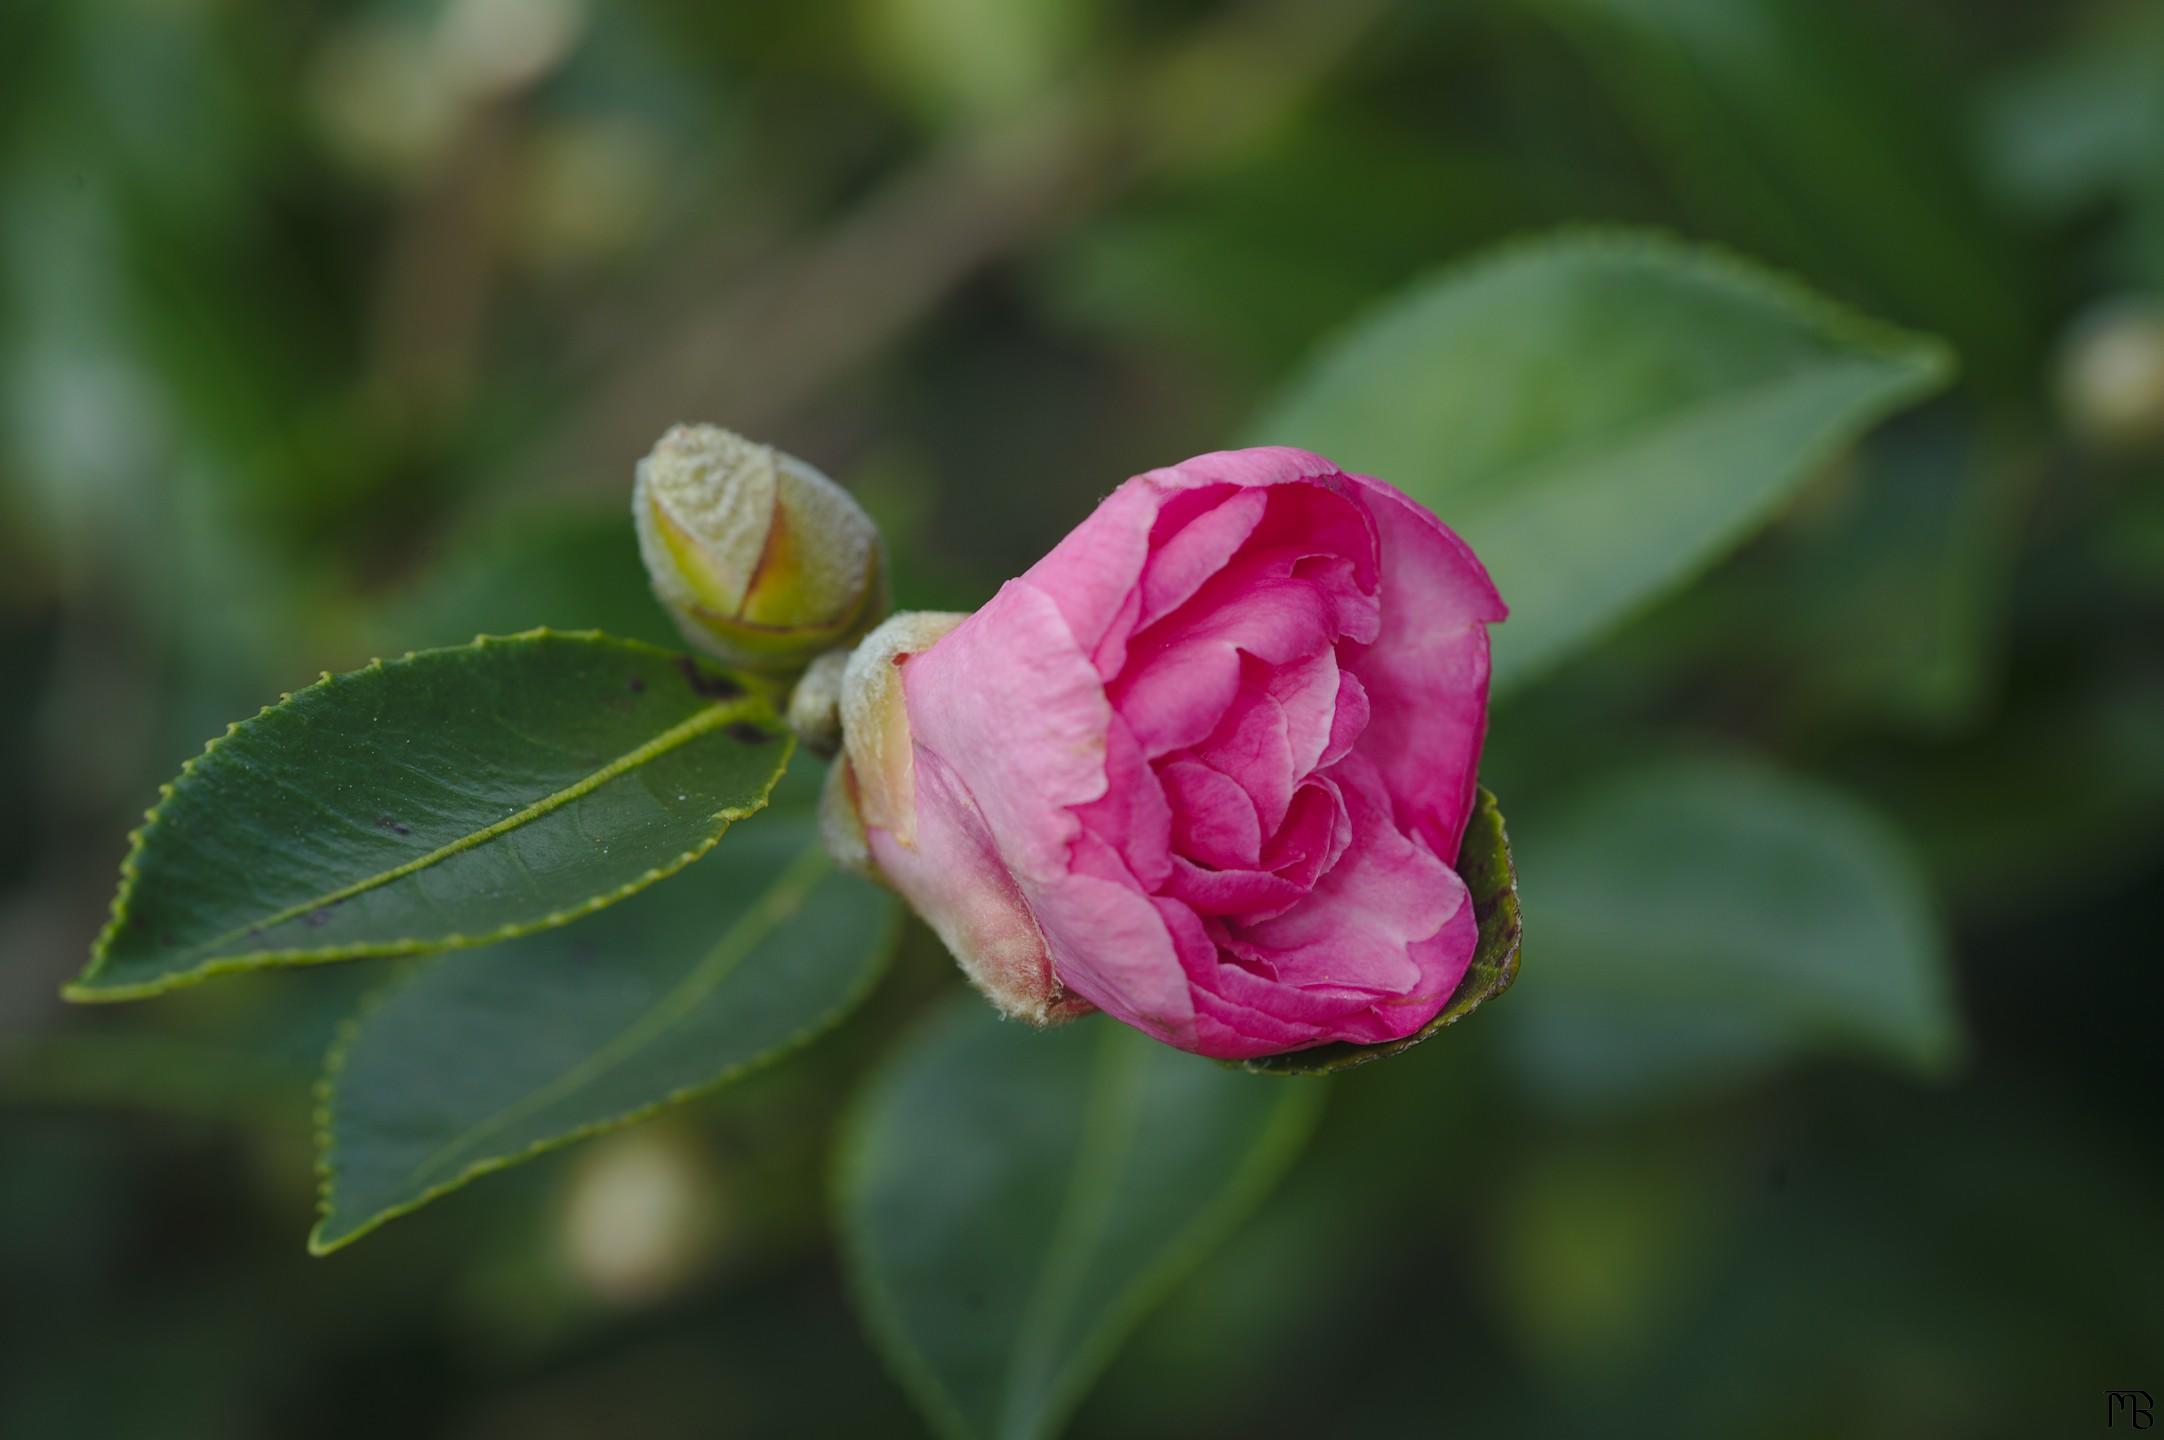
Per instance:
(330,331)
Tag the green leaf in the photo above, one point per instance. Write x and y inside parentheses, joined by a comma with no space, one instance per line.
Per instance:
(1600,416)
(476,1062)
(1702,920)
(452,798)
(1013,1201)
(1491,881)
(1820,135)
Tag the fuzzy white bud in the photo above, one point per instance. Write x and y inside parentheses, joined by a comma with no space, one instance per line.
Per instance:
(762,560)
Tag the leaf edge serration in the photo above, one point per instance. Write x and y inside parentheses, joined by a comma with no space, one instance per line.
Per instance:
(83,990)
(324,1129)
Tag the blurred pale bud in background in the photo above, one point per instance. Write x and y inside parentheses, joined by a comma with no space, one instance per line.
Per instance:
(377,99)
(588,191)
(762,560)
(972,58)
(642,1213)
(2111,376)
(388,93)
(487,47)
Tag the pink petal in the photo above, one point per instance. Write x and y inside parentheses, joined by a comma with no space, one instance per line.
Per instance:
(1089,574)
(1252,746)
(1173,700)
(1109,944)
(1307,692)
(1179,565)
(1132,816)
(1213,820)
(1426,675)
(1181,676)
(1309,533)
(1259,465)
(1231,892)
(1348,718)
(1110,654)
(955,878)
(1316,833)
(1009,702)
(1354,930)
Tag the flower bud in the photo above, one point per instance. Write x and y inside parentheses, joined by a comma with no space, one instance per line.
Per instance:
(2111,377)
(642,1214)
(763,561)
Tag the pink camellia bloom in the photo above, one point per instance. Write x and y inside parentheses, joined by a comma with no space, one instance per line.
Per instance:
(1205,767)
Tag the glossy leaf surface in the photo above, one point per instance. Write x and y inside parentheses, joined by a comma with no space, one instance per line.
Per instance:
(1701,920)
(451,798)
(476,1061)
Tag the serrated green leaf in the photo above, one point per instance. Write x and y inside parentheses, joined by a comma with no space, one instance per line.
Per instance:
(452,798)
(1703,919)
(1012,1201)
(1491,882)
(476,1062)
(1600,416)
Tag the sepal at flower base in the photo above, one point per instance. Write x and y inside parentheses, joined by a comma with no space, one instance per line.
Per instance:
(948,868)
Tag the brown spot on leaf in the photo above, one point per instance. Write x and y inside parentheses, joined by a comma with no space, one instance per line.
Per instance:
(704,685)
(744,732)
(385,822)
(638,684)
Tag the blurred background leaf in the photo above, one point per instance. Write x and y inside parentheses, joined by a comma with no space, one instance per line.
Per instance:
(1599,416)
(1699,920)
(1012,1201)
(1816,135)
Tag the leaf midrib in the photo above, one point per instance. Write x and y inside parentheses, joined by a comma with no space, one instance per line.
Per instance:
(1109,1126)
(1903,379)
(1478,495)
(708,718)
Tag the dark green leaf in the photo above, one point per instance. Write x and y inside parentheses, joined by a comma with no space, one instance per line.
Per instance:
(1491,881)
(452,798)
(1703,919)
(476,1062)
(1012,1201)
(1815,133)
(1600,416)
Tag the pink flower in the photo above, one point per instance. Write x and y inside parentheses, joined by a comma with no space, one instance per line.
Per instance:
(1205,767)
